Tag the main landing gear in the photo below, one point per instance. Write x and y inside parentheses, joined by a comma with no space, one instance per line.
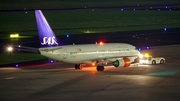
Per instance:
(100,68)
(78,66)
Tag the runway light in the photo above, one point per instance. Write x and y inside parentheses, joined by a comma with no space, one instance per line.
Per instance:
(17,65)
(146,9)
(166,6)
(139,49)
(134,9)
(122,9)
(159,9)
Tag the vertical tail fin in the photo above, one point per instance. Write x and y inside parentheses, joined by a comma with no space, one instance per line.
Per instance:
(46,35)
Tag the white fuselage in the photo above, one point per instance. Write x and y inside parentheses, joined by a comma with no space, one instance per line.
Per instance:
(87,53)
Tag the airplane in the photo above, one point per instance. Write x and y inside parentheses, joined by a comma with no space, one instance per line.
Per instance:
(118,54)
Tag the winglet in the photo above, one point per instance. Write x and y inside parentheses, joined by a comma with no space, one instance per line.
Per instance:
(46,34)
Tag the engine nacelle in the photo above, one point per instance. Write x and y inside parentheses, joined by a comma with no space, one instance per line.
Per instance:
(124,62)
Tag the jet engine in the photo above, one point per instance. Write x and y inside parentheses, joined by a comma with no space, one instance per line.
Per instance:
(124,62)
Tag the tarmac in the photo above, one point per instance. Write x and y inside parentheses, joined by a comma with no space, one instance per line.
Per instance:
(61,82)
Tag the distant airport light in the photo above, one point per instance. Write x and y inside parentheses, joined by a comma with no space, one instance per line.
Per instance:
(51,61)
(159,9)
(169,9)
(139,49)
(134,9)
(122,9)
(17,65)
(14,35)
(165,29)
(9,48)
(166,6)
(67,36)
(147,47)
(146,9)
(86,31)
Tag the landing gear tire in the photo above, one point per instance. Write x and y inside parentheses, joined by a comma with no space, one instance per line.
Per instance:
(78,66)
(162,61)
(100,68)
(153,62)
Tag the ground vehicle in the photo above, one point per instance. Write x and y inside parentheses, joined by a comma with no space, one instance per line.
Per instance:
(152,60)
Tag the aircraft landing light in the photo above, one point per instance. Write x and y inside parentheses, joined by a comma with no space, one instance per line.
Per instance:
(93,64)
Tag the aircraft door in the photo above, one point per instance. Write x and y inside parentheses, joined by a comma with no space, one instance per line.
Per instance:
(64,54)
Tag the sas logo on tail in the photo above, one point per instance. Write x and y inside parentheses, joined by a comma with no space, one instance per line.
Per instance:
(49,41)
